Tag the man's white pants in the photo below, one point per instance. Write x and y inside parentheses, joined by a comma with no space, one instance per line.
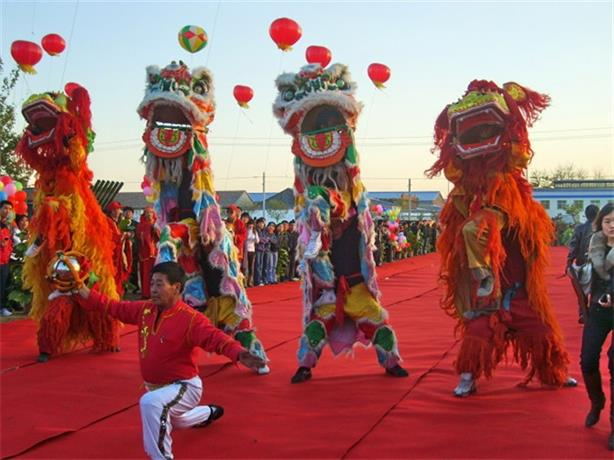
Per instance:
(172,406)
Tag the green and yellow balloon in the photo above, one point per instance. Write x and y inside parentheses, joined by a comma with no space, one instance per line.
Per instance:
(192,38)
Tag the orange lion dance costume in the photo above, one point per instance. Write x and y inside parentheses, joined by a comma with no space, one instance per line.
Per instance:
(67,219)
(495,237)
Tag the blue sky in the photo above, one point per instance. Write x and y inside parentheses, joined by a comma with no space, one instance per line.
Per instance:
(433,49)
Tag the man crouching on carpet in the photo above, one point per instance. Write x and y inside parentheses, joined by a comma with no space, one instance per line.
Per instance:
(169,332)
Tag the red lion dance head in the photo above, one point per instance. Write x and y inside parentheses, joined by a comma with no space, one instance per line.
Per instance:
(485,133)
(55,120)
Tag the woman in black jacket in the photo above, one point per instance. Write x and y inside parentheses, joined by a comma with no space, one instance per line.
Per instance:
(600,317)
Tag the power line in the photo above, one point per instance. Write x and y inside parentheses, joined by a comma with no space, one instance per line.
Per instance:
(72,30)
(269,146)
(286,139)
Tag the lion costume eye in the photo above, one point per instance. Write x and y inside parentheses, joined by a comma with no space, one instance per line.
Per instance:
(200,87)
(340,83)
(288,95)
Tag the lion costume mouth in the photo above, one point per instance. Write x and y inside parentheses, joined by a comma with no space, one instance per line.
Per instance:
(323,138)
(42,117)
(169,134)
(478,131)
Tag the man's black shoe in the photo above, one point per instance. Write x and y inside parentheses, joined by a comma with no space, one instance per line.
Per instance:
(43,357)
(397,371)
(302,375)
(216,412)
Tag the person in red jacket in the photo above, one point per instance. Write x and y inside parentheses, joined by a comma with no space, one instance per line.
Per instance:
(122,253)
(147,237)
(239,229)
(6,248)
(169,333)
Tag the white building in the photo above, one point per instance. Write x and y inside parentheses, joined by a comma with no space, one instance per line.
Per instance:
(569,192)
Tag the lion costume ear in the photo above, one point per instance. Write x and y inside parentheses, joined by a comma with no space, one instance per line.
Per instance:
(152,73)
(531,103)
(79,105)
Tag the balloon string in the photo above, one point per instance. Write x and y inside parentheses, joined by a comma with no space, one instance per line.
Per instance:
(217,12)
(232,151)
(33,15)
(72,30)
(246,116)
(50,75)
(268,148)
(25,79)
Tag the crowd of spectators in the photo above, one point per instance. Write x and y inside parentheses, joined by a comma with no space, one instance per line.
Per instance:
(267,251)
(421,237)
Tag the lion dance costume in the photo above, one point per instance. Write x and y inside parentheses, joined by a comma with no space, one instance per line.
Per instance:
(340,292)
(67,222)
(495,238)
(178,106)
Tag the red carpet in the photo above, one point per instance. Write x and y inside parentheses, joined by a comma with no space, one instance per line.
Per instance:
(85,406)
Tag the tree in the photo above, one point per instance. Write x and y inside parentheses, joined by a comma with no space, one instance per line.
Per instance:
(10,164)
(574,211)
(598,173)
(540,178)
(568,171)
(277,209)
(543,178)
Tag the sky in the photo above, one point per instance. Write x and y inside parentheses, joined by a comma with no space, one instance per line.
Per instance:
(434,49)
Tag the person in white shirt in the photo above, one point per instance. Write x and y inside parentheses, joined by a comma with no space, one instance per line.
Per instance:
(250,250)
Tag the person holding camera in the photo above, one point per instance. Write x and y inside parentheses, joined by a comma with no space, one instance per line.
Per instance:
(577,267)
(600,320)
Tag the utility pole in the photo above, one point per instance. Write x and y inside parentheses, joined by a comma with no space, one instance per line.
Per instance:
(408,199)
(264,195)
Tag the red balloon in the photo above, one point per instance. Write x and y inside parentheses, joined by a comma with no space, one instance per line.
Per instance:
(26,54)
(6,180)
(318,55)
(285,32)
(379,74)
(243,94)
(21,208)
(53,44)
(20,195)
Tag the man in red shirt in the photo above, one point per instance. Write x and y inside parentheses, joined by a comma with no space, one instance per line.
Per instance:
(6,248)
(169,332)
